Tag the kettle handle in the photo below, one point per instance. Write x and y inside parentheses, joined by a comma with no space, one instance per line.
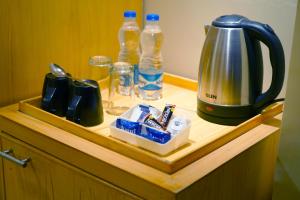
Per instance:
(265,34)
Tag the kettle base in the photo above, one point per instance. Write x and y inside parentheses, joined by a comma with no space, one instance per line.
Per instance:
(221,120)
(225,115)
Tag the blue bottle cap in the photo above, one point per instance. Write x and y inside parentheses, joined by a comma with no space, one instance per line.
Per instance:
(152,17)
(130,14)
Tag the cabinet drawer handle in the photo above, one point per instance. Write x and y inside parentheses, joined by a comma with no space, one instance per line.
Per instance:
(6,154)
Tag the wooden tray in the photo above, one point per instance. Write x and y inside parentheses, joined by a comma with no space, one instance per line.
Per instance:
(204,136)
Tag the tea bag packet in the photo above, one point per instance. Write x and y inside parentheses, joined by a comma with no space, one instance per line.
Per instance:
(176,125)
(139,112)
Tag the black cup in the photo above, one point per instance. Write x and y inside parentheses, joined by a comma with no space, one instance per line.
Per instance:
(85,105)
(55,94)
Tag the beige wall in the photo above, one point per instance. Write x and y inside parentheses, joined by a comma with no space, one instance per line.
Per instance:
(287,179)
(182,24)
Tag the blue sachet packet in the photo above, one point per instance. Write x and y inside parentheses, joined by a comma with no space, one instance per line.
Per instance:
(129,126)
(161,137)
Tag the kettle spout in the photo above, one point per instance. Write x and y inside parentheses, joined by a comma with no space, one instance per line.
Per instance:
(206,27)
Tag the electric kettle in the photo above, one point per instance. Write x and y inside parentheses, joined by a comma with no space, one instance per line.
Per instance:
(231,70)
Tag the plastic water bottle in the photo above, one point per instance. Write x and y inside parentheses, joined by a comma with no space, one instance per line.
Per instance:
(129,38)
(150,66)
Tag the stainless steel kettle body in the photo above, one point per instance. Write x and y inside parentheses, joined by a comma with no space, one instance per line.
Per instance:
(231,70)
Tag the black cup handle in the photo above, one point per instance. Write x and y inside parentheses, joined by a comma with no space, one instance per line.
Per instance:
(73,108)
(47,99)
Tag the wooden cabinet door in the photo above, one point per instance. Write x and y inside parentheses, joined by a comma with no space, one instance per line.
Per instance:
(46,177)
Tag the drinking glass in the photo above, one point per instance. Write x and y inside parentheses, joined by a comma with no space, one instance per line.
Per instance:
(121,88)
(102,62)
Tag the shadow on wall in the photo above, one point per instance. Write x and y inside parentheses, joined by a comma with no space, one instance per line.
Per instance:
(284,188)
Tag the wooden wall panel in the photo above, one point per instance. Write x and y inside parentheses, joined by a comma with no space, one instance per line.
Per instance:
(34,33)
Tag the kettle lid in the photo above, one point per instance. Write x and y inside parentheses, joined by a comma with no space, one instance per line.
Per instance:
(229,21)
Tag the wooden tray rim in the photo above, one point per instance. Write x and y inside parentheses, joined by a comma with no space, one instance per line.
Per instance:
(141,155)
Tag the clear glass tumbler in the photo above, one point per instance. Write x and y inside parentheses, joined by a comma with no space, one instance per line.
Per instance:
(121,88)
(102,62)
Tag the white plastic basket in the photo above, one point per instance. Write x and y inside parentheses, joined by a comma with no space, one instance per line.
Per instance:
(175,142)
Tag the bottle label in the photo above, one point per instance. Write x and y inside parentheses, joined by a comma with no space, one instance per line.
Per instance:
(136,74)
(150,81)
